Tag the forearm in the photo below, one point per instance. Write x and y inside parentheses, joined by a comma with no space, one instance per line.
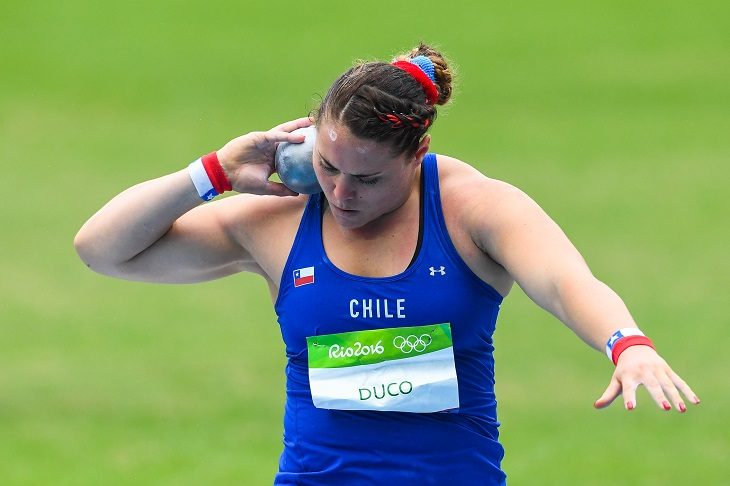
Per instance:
(590,308)
(135,219)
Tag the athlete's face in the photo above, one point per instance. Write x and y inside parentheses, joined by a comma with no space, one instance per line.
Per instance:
(361,179)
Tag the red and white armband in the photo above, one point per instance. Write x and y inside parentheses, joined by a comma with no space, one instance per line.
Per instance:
(623,339)
(208,177)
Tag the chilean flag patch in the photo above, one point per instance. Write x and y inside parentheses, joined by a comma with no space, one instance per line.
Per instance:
(303,276)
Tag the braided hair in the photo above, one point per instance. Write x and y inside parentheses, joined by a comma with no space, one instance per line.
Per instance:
(380,101)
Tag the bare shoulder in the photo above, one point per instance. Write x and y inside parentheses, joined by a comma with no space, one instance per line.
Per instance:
(473,205)
(503,222)
(483,202)
(264,225)
(462,182)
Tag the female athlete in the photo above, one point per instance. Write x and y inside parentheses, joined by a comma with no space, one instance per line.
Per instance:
(386,285)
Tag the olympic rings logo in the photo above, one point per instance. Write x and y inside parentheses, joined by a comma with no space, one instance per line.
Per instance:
(412,343)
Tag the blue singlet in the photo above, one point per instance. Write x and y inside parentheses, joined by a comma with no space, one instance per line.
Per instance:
(342,447)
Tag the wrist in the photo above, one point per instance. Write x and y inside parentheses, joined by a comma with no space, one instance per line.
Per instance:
(223,161)
(623,339)
(208,177)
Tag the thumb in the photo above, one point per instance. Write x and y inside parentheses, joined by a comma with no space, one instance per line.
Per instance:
(613,391)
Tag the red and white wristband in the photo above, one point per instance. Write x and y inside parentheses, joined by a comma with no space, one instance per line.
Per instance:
(625,338)
(208,177)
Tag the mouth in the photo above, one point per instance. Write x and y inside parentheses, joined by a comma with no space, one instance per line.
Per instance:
(342,209)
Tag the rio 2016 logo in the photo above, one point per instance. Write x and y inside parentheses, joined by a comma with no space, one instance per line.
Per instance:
(357,349)
(412,343)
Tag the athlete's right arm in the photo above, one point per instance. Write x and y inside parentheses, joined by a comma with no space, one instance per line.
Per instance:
(158,231)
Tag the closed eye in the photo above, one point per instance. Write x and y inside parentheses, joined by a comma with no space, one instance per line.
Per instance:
(331,170)
(326,167)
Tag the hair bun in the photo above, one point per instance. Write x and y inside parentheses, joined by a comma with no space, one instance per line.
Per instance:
(441,71)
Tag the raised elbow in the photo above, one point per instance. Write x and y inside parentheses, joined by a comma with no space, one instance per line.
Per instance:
(89,253)
(83,248)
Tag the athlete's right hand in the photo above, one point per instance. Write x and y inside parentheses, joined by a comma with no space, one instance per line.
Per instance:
(248,160)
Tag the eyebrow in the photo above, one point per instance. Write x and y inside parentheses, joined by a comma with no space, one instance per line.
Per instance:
(353,175)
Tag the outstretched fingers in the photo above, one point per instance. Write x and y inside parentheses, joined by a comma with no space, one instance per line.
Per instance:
(640,365)
(671,392)
(666,388)
(656,386)
(683,387)
(611,393)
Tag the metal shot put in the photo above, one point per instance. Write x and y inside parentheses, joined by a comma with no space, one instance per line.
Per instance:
(293,163)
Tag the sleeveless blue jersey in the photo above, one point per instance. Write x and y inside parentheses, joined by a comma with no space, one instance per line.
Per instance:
(344,447)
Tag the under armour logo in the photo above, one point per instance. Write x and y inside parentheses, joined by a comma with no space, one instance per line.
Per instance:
(441,270)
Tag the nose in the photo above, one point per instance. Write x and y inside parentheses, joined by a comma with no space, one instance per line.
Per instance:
(344,189)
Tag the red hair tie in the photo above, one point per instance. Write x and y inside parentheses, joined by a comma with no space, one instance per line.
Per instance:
(398,123)
(432,94)
(392,119)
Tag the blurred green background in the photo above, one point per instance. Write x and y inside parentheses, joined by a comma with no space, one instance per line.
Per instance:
(614,116)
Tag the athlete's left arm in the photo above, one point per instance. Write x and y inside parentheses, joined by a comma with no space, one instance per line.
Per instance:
(513,230)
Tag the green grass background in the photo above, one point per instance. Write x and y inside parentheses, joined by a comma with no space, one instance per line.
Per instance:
(614,116)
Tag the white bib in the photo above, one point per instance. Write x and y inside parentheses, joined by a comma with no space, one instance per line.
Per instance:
(406,369)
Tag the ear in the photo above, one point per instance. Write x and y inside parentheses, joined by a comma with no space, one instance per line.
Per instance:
(423,147)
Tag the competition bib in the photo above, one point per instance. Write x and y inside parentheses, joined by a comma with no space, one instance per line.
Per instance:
(405,369)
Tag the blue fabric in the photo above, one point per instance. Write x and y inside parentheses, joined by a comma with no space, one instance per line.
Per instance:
(337,447)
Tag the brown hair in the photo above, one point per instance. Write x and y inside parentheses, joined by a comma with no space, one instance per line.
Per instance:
(378,101)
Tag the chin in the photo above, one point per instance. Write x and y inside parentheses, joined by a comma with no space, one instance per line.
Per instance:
(349,223)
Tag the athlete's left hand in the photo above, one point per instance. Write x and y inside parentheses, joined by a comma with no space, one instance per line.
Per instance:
(641,365)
